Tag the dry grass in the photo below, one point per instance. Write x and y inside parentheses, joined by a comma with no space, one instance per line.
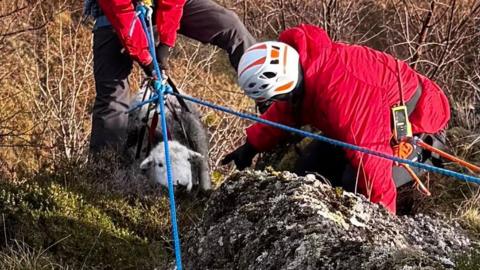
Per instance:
(20,256)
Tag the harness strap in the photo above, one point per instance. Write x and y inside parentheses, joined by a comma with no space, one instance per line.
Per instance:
(151,129)
(182,126)
(151,132)
(182,102)
(418,183)
(145,126)
(412,103)
(426,146)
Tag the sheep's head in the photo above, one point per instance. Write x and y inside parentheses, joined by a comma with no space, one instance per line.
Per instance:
(181,159)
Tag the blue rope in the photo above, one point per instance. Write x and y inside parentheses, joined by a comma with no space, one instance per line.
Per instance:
(463,177)
(160,89)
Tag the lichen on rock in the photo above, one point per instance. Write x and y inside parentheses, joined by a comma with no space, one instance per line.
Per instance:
(267,220)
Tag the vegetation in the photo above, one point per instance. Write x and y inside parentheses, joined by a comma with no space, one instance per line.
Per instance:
(61,211)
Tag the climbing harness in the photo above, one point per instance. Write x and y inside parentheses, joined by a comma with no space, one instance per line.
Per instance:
(144,119)
(404,150)
(404,143)
(150,121)
(184,108)
(402,131)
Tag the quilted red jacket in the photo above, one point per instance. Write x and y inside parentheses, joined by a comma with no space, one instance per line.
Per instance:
(121,14)
(349,92)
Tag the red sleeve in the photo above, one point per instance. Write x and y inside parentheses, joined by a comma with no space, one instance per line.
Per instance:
(264,137)
(169,13)
(121,14)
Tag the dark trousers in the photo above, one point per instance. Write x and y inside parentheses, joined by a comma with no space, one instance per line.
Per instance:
(202,20)
(329,161)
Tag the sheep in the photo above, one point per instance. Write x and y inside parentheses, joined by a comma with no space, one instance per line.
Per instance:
(185,127)
(181,159)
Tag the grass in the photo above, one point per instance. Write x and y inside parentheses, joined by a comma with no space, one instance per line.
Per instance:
(469,261)
(82,224)
(20,256)
(471,217)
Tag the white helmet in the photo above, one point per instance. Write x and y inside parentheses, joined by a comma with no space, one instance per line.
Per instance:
(268,69)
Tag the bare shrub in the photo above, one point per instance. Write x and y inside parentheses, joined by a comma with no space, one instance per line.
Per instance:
(59,85)
(21,24)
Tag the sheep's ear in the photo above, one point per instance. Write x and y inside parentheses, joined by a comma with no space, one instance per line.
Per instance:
(146,163)
(192,155)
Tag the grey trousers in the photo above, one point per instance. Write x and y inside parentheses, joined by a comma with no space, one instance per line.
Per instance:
(202,20)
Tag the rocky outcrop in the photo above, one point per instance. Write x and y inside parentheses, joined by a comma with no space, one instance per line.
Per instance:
(270,220)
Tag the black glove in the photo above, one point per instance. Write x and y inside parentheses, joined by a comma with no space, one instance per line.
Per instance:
(148,69)
(242,156)
(263,106)
(163,52)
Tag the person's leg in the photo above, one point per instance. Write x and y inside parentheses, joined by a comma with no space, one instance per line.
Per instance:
(322,158)
(208,22)
(111,70)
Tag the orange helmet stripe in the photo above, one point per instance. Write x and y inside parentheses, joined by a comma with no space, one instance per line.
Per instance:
(285,60)
(284,87)
(256,63)
(274,54)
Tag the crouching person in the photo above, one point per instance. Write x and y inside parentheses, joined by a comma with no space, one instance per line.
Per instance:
(347,92)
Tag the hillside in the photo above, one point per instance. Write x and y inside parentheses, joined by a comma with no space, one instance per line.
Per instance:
(61,210)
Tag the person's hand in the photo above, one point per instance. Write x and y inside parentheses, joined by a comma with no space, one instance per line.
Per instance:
(242,156)
(263,106)
(163,52)
(148,69)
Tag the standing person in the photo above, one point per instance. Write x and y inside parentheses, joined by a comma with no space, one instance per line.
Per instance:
(347,92)
(119,40)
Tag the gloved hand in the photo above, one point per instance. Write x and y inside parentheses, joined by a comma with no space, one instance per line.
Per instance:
(148,69)
(242,156)
(263,106)
(163,52)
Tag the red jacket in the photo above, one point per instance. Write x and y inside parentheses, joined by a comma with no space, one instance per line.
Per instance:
(121,14)
(349,92)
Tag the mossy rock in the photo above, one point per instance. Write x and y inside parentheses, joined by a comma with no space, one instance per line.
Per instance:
(285,156)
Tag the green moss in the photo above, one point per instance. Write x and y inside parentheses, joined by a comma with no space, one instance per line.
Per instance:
(77,224)
(470,261)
